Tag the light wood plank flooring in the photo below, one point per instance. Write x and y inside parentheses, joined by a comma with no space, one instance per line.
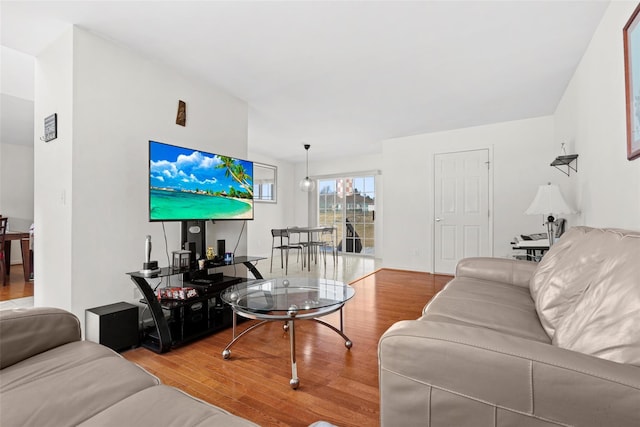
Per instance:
(336,385)
(16,286)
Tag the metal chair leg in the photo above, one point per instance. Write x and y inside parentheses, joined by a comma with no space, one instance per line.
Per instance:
(286,268)
(271,267)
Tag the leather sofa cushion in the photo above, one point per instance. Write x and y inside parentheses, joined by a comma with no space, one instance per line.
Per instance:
(56,360)
(163,406)
(604,320)
(26,332)
(562,275)
(50,378)
(501,307)
(68,394)
(501,270)
(486,372)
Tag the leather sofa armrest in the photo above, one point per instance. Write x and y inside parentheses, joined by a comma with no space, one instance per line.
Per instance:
(453,374)
(25,332)
(504,270)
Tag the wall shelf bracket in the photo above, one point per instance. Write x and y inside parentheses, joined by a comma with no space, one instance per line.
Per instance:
(566,160)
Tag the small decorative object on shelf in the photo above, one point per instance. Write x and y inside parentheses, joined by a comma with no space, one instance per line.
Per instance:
(177,293)
(210,253)
(148,267)
(181,259)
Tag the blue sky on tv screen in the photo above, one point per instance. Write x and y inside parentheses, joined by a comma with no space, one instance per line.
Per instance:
(184,169)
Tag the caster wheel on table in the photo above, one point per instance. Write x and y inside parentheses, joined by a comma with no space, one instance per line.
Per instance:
(226,354)
(294,383)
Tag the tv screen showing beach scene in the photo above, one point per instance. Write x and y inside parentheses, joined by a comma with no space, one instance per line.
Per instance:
(187,185)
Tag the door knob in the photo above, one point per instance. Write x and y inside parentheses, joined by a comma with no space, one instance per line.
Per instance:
(438,219)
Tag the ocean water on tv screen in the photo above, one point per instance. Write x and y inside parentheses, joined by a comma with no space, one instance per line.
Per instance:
(176,205)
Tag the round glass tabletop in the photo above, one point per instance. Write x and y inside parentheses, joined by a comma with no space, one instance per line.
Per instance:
(282,295)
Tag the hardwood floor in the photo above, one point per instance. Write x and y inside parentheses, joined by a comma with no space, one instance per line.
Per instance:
(336,385)
(16,286)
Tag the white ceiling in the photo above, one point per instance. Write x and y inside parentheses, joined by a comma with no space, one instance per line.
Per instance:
(344,75)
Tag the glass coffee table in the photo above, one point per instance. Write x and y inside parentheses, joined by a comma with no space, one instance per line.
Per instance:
(288,300)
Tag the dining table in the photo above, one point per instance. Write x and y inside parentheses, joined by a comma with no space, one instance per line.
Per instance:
(23,237)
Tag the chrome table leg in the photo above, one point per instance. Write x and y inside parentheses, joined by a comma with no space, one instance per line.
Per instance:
(295,381)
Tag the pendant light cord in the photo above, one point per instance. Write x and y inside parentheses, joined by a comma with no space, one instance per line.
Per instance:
(306,147)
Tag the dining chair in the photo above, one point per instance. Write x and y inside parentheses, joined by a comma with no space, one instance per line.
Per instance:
(3,267)
(311,244)
(327,243)
(280,239)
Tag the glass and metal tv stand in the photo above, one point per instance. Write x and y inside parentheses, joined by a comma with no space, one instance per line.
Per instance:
(179,321)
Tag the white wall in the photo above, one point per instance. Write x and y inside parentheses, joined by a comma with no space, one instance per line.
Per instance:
(53,164)
(17,74)
(271,215)
(110,101)
(590,119)
(120,101)
(520,152)
(591,116)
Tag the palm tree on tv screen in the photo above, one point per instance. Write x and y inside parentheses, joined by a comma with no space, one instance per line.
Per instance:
(235,170)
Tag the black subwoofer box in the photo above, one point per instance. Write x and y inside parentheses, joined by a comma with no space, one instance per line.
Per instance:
(113,325)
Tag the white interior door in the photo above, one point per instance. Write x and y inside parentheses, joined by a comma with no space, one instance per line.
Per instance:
(461,208)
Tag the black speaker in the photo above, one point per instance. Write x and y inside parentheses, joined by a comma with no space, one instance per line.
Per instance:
(195,232)
(221,248)
(114,325)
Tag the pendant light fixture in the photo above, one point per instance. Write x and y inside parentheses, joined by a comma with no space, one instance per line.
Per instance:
(306,184)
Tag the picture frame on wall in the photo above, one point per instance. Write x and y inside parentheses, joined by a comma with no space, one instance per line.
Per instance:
(631,33)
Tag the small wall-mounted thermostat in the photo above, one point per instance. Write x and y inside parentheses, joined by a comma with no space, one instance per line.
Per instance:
(50,128)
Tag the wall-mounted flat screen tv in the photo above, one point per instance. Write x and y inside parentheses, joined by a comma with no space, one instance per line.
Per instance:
(188,185)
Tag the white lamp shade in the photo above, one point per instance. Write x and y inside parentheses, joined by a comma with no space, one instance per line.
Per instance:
(548,201)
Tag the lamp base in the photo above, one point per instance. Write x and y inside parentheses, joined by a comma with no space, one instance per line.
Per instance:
(151,265)
(550,229)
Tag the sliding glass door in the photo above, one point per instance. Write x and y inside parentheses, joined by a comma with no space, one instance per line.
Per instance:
(349,204)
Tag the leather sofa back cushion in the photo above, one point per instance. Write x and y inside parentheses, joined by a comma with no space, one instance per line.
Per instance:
(562,275)
(604,319)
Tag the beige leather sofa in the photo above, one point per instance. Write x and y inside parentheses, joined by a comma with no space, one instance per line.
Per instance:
(49,377)
(514,343)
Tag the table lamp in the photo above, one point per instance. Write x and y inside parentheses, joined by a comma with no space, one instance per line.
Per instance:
(549,201)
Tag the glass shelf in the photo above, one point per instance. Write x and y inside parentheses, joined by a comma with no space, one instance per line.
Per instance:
(170,271)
